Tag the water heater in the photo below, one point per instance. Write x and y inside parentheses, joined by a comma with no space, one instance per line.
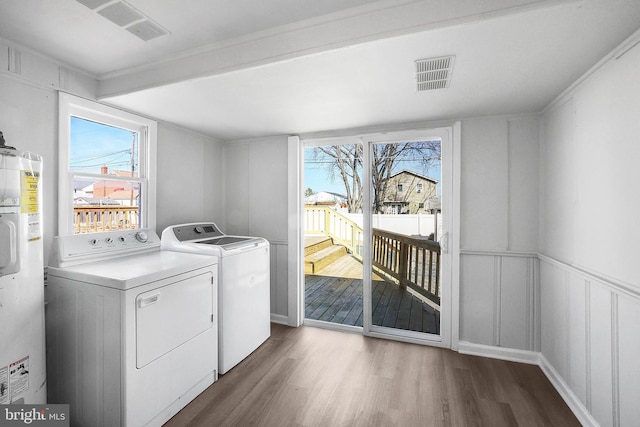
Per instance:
(22,340)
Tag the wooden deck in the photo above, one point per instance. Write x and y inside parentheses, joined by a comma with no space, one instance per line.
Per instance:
(335,295)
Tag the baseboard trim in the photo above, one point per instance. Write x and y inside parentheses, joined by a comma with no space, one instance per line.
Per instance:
(279,319)
(575,404)
(502,353)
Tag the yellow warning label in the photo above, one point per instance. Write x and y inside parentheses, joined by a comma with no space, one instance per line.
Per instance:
(29,182)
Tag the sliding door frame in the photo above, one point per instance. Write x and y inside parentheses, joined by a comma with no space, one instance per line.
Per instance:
(450,169)
(449,310)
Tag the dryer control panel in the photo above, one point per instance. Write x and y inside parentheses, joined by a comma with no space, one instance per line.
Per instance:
(72,249)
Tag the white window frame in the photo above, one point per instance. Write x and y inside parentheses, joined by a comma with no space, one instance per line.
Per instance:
(69,106)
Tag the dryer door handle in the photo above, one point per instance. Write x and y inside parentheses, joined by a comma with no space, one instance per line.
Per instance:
(144,302)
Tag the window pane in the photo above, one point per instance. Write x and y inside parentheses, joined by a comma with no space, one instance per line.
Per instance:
(111,203)
(105,204)
(405,253)
(99,148)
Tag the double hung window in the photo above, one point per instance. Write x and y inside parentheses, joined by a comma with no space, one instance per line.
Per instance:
(106,168)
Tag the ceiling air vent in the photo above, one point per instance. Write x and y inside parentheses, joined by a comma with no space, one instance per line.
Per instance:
(121,14)
(93,4)
(146,30)
(434,73)
(126,17)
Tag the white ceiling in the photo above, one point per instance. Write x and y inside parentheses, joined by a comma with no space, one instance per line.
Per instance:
(252,68)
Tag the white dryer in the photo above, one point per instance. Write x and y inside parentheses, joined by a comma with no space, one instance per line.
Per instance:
(131,330)
(244,291)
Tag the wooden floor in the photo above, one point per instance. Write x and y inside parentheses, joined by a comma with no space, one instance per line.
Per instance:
(335,295)
(316,377)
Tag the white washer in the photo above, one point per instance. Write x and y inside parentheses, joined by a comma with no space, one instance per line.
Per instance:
(244,291)
(131,330)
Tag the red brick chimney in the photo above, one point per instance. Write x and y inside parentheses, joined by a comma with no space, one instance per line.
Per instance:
(104,170)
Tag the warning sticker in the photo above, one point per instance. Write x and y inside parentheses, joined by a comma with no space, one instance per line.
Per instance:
(4,385)
(34,226)
(19,377)
(29,182)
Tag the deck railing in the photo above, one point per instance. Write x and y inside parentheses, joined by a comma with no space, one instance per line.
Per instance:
(87,219)
(343,231)
(413,262)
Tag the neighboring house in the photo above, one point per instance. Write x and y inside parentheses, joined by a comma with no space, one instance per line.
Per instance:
(114,189)
(410,193)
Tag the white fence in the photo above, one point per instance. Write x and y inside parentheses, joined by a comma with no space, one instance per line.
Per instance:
(346,229)
(411,225)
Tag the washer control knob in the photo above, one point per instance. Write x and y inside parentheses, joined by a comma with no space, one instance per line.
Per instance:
(122,239)
(199,230)
(142,237)
(109,240)
(93,242)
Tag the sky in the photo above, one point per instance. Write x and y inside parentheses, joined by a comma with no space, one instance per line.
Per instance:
(94,145)
(318,178)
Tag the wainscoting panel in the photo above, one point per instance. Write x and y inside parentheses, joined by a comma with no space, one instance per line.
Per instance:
(515,287)
(577,340)
(628,326)
(497,294)
(554,318)
(279,289)
(601,357)
(477,299)
(590,330)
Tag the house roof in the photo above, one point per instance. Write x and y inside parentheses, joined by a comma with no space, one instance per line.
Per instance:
(414,174)
(323,197)
(123,173)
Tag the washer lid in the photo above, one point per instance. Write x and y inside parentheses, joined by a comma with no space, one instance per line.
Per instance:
(206,238)
(135,270)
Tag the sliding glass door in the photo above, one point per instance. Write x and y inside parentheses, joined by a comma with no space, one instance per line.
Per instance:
(405,235)
(333,235)
(376,215)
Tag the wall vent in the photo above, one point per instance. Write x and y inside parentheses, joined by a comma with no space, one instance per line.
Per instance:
(434,73)
(127,17)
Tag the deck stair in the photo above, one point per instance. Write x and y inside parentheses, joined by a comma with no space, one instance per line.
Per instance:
(320,251)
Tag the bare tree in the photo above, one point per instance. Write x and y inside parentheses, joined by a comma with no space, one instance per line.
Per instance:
(346,161)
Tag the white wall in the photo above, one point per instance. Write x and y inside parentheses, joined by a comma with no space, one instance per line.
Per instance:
(499,184)
(499,227)
(591,155)
(190,178)
(255,203)
(589,233)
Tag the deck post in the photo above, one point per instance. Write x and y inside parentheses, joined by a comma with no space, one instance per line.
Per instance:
(404,259)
